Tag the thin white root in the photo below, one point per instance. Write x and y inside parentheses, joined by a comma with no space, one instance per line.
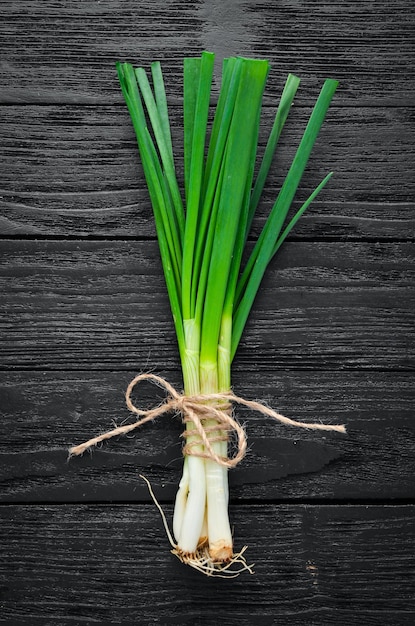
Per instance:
(203,562)
(163,517)
(201,559)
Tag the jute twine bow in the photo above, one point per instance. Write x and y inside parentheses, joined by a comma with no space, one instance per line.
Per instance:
(196,409)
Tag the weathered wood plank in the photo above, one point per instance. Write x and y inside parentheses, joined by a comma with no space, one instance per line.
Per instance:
(103,305)
(331,337)
(54,51)
(75,171)
(43,413)
(111,564)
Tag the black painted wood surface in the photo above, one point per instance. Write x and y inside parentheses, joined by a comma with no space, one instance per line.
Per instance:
(329,519)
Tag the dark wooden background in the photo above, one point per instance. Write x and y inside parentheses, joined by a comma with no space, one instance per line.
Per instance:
(329,519)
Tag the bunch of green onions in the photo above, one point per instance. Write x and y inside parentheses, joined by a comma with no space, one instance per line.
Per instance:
(202,238)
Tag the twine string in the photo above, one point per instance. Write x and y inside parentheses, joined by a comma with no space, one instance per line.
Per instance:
(195,409)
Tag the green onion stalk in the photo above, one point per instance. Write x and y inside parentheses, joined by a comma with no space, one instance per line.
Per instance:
(202,234)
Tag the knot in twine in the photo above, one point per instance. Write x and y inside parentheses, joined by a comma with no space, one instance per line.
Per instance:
(195,410)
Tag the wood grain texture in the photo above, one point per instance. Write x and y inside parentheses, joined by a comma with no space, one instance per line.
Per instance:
(45,413)
(103,305)
(329,519)
(111,564)
(65,52)
(75,171)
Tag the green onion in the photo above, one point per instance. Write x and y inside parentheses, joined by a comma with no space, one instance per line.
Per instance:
(202,234)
